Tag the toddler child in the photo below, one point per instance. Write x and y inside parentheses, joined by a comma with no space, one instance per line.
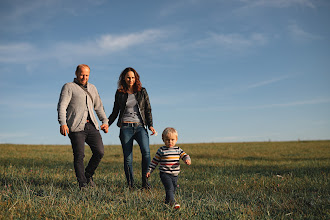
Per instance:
(168,158)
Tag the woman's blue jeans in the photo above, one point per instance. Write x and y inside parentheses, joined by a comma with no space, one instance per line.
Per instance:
(127,136)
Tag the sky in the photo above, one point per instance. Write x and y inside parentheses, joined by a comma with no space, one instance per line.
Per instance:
(216,70)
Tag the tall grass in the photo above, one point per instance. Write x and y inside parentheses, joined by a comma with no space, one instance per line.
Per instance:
(263,180)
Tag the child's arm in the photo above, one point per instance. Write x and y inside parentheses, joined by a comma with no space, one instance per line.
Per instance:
(185,157)
(154,163)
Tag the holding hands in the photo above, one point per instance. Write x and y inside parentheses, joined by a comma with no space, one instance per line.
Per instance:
(105,128)
(64,129)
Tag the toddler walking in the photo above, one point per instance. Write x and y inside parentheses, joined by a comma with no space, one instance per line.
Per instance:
(168,158)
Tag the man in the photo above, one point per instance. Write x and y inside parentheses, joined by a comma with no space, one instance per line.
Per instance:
(75,108)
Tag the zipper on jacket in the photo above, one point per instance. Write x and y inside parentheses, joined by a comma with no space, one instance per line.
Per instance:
(137,103)
(121,120)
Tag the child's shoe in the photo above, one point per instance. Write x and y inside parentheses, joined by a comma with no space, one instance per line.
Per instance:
(176,206)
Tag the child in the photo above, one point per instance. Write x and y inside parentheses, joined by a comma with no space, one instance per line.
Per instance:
(168,158)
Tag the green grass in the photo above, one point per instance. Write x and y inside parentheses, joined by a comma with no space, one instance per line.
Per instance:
(262,180)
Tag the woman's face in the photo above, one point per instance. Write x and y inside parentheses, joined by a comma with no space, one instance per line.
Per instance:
(130,78)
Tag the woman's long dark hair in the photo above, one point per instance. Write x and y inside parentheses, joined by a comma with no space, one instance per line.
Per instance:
(122,86)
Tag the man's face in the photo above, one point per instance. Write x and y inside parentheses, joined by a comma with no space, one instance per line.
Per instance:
(83,75)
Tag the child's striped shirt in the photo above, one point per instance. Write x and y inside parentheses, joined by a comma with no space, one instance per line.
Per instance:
(168,160)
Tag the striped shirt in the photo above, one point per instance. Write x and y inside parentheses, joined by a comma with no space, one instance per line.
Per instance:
(168,160)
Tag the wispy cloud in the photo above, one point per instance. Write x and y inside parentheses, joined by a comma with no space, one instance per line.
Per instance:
(278,3)
(317,101)
(266,82)
(297,103)
(17,52)
(288,104)
(23,105)
(113,43)
(10,136)
(19,10)
(23,52)
(176,6)
(27,16)
(234,41)
(297,33)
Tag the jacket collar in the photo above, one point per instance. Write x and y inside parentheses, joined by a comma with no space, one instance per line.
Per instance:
(75,80)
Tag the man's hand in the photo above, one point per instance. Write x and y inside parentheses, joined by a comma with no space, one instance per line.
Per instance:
(64,130)
(188,162)
(105,128)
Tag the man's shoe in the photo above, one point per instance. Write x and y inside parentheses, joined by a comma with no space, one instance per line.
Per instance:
(90,182)
(83,186)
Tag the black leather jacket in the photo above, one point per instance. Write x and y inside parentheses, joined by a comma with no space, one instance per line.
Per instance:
(119,106)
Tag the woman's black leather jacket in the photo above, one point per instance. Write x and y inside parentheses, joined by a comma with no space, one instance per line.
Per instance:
(119,106)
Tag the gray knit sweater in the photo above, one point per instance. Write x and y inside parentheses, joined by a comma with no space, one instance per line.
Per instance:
(73,110)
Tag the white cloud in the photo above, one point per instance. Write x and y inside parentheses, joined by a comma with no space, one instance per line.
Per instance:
(64,51)
(278,3)
(12,136)
(113,43)
(266,82)
(299,34)
(289,104)
(20,9)
(22,105)
(17,52)
(297,103)
(176,6)
(238,41)
(278,105)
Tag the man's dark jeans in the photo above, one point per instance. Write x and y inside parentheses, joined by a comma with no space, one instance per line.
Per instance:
(93,138)
(170,183)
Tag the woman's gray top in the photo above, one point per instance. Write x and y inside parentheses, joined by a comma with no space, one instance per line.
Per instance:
(131,113)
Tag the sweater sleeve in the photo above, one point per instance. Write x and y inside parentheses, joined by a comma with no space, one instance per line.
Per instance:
(184,156)
(155,161)
(64,100)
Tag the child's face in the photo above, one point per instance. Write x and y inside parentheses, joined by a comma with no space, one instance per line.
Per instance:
(170,140)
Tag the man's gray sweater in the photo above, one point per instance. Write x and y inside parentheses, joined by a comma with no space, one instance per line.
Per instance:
(75,104)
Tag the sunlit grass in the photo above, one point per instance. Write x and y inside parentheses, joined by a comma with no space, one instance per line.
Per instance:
(263,180)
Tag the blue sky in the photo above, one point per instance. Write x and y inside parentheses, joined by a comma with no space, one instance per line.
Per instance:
(217,70)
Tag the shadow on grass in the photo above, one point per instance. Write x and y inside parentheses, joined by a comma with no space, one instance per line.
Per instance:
(265,170)
(56,173)
(252,158)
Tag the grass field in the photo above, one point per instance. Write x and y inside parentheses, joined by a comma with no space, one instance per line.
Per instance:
(262,180)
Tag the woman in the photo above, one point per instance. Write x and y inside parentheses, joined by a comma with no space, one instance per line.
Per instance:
(133,106)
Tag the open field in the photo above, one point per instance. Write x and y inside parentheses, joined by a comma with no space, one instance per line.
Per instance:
(262,180)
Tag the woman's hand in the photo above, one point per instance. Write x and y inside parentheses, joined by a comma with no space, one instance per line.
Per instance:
(154,132)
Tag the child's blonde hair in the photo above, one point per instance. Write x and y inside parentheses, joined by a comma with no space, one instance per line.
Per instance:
(169,130)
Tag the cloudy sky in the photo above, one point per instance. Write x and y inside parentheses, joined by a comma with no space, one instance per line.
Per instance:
(217,70)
